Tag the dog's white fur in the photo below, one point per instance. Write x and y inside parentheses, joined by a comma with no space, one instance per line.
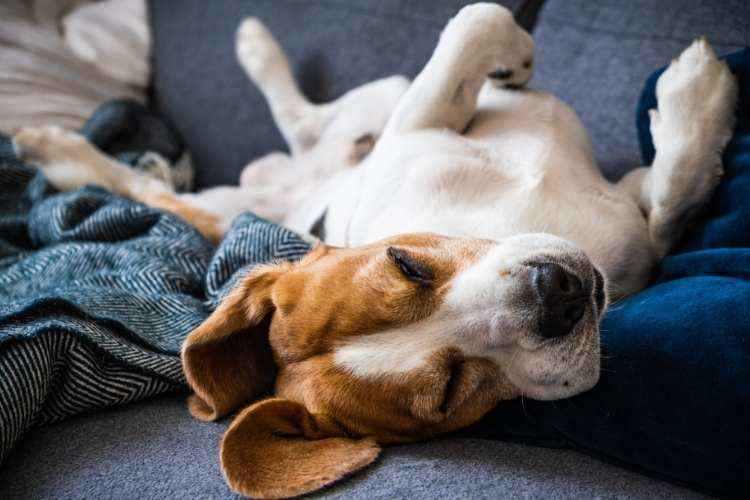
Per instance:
(458,154)
(524,164)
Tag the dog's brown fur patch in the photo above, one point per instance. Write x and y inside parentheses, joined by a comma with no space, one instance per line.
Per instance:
(208,224)
(325,421)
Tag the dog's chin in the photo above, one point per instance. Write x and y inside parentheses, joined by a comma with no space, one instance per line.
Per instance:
(560,389)
(559,370)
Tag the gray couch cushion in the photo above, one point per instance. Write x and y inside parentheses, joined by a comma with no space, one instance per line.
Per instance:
(334,46)
(155,449)
(597,55)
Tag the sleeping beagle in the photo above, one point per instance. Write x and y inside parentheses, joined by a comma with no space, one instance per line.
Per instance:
(471,248)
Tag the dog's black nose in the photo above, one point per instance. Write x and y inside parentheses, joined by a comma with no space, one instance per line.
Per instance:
(563,298)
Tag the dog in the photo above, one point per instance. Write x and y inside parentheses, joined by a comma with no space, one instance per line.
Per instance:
(470,247)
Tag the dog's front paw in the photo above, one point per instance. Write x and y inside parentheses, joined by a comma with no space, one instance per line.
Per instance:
(696,97)
(489,33)
(257,50)
(513,78)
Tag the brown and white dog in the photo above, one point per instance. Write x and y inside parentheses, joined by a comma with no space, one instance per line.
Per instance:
(476,247)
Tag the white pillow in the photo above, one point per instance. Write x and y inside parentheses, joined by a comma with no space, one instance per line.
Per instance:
(48,77)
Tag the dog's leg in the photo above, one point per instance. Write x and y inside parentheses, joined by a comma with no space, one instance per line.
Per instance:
(69,161)
(696,99)
(481,41)
(300,121)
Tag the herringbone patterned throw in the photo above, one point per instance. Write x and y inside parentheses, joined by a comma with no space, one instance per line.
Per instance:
(98,292)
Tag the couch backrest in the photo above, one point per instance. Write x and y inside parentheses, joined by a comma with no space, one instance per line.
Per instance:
(334,46)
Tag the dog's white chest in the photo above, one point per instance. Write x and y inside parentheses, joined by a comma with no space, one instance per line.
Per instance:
(526,170)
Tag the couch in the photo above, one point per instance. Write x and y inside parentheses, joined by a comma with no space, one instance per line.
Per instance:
(595,55)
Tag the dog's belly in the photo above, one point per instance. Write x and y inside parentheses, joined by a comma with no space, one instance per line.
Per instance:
(522,168)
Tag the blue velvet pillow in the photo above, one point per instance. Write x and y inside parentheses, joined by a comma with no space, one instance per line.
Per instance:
(674,396)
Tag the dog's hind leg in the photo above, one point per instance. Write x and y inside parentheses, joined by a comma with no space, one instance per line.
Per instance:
(696,96)
(69,162)
(300,121)
(481,41)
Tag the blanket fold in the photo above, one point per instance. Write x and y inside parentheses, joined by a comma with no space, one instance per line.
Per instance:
(97,293)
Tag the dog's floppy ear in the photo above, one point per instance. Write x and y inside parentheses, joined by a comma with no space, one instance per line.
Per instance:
(227,360)
(277,448)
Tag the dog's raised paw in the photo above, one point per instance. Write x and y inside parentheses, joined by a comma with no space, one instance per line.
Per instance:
(489,33)
(696,97)
(257,50)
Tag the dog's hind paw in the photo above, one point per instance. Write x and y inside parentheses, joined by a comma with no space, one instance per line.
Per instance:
(38,144)
(66,158)
(257,50)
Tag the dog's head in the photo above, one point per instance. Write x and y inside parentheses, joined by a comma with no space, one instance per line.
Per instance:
(391,342)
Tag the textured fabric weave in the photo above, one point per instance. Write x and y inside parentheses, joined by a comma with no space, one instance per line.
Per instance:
(160,451)
(98,292)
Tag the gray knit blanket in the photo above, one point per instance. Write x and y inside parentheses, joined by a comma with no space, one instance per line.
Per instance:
(97,293)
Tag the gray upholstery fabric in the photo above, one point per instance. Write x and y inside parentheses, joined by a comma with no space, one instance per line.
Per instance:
(155,449)
(597,55)
(334,46)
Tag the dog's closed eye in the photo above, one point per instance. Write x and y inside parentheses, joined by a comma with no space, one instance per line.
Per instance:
(410,267)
